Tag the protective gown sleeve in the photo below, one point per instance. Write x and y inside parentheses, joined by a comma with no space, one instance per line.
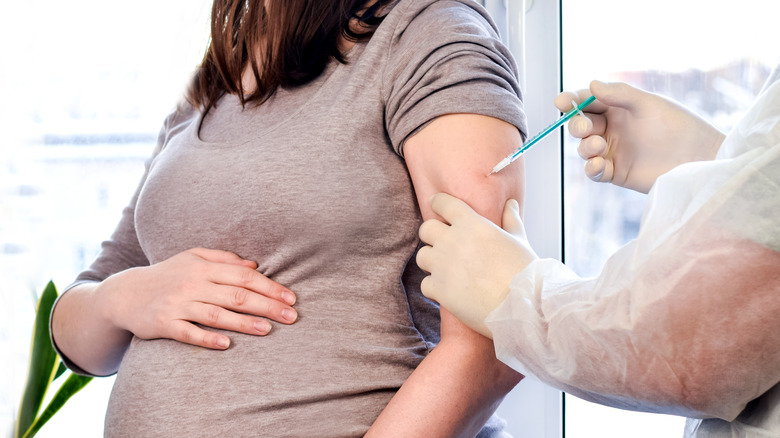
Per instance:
(682,320)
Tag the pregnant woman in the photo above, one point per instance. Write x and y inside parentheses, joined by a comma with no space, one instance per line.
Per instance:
(288,187)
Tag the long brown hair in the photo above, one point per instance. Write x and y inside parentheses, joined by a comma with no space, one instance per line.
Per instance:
(285,43)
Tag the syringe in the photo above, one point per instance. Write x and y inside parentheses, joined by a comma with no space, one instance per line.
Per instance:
(522,149)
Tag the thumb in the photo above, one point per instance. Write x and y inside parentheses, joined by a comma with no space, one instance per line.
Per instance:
(511,221)
(617,94)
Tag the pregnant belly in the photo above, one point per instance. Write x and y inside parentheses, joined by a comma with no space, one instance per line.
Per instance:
(313,378)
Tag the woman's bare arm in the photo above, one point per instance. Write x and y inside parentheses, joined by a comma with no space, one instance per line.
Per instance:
(461,383)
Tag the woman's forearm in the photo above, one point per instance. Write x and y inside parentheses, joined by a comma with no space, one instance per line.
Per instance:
(82,330)
(453,392)
(93,323)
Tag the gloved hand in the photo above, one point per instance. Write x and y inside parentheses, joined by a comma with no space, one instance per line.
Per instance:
(630,137)
(471,261)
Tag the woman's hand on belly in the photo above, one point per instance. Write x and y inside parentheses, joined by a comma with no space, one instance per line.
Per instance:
(209,287)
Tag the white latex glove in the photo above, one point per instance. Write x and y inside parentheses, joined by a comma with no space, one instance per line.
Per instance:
(471,260)
(630,136)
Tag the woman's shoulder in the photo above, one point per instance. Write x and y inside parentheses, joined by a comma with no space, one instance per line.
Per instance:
(181,116)
(416,28)
(433,16)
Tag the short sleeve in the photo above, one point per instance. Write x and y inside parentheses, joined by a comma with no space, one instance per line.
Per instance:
(446,57)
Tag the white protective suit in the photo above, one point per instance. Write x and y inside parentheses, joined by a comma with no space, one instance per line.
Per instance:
(680,319)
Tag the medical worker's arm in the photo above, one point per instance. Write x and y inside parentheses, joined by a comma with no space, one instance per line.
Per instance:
(460,383)
(683,320)
(630,137)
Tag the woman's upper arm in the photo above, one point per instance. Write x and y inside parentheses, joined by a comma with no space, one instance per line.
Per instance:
(454,154)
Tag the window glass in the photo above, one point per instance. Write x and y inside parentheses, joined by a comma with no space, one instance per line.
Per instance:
(713,56)
(85,85)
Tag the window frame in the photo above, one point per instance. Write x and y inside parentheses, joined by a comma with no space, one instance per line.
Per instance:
(531,28)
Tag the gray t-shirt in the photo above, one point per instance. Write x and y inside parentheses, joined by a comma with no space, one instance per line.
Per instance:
(312,186)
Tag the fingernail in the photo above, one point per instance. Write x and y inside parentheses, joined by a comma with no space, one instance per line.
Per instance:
(263,326)
(289,315)
(223,342)
(288,298)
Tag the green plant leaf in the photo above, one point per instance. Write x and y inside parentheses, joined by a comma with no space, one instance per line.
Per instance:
(72,385)
(43,359)
(60,370)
